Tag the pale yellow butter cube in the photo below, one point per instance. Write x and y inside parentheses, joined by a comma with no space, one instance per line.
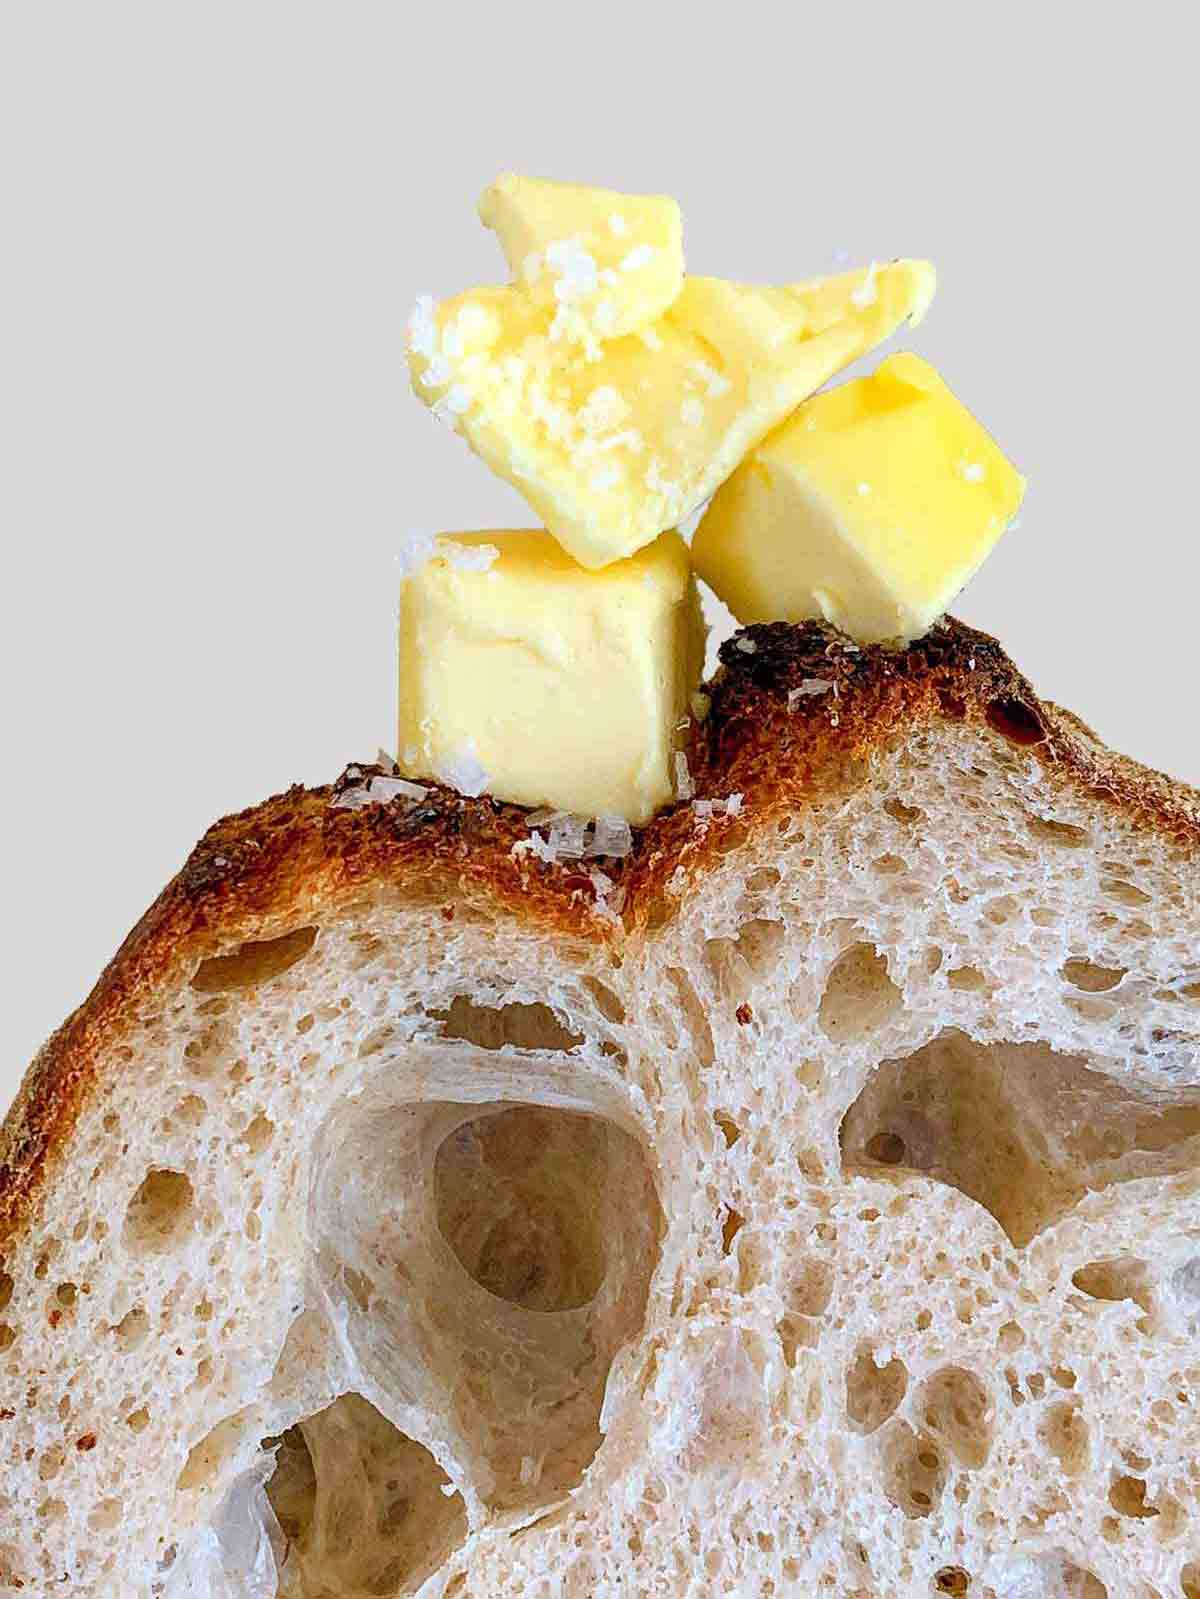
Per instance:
(611,446)
(605,263)
(871,507)
(525,676)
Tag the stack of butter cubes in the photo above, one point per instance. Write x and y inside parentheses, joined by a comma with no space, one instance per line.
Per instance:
(558,666)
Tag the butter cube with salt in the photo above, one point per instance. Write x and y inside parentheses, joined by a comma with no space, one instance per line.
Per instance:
(871,507)
(604,263)
(525,676)
(615,440)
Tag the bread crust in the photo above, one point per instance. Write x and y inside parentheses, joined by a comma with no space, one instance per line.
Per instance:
(297,858)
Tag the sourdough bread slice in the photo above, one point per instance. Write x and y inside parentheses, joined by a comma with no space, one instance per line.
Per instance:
(808,1203)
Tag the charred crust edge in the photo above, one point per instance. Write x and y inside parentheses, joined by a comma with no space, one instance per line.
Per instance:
(769,736)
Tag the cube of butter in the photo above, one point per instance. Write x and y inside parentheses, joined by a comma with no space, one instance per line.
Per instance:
(612,445)
(605,263)
(871,507)
(526,676)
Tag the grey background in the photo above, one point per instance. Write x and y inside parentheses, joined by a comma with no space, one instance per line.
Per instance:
(214,219)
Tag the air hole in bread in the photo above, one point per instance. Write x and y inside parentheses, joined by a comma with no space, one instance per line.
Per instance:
(966,980)
(254,962)
(609,1006)
(1016,721)
(106,1515)
(1124,892)
(1090,978)
(1127,1496)
(1064,1432)
(956,1408)
(514,1201)
(730,1131)
(796,1333)
(1049,830)
(1002,910)
(208,1459)
(364,947)
(190,1111)
(205,1053)
(738,963)
(873,1391)
(499,1252)
(1022,1130)
(889,1149)
(1123,1278)
(695,1014)
(952,1580)
(513,1026)
(809,1288)
(377,1040)
(257,1136)
(914,1471)
(160,1214)
(860,997)
(361,1505)
(902,813)
(889,865)
(731,1226)
(6,1290)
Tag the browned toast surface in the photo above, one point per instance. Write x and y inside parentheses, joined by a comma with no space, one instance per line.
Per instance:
(793,709)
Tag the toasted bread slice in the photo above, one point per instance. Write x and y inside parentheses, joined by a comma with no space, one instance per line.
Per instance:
(808,1202)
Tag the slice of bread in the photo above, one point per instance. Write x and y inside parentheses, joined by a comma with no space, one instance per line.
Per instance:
(808,1203)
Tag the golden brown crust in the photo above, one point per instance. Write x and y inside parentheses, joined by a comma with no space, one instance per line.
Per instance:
(299,857)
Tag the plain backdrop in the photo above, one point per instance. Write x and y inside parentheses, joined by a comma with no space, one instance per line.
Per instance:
(214,219)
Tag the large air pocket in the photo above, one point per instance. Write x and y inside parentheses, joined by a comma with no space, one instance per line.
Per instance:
(486,1262)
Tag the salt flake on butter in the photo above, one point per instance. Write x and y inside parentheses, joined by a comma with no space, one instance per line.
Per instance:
(619,252)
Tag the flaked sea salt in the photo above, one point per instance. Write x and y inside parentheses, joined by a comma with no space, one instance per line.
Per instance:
(640,256)
(611,835)
(378,791)
(570,838)
(462,771)
(575,271)
(415,552)
(706,809)
(809,686)
(468,557)
(715,382)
